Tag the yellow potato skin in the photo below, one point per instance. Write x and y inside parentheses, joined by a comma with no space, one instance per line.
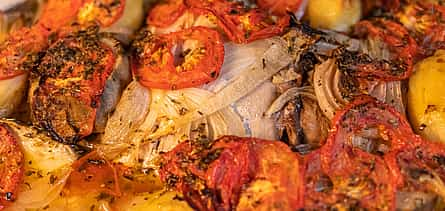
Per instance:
(426,98)
(337,15)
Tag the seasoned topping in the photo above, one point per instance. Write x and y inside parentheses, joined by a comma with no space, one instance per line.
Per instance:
(241,173)
(402,46)
(11,166)
(72,77)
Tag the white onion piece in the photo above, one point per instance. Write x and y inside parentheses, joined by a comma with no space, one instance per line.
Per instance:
(274,59)
(251,109)
(327,78)
(301,10)
(226,122)
(47,167)
(114,86)
(38,192)
(9,4)
(12,92)
(129,114)
(287,96)
(237,59)
(173,115)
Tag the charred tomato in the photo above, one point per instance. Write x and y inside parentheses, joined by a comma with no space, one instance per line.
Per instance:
(357,155)
(11,166)
(242,24)
(232,173)
(68,84)
(402,46)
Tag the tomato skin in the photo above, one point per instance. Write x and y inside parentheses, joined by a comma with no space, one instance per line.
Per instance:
(275,163)
(319,193)
(166,13)
(214,178)
(425,22)
(59,13)
(93,173)
(241,24)
(78,53)
(342,160)
(154,63)
(27,43)
(11,166)
(223,177)
(279,7)
(417,162)
(402,46)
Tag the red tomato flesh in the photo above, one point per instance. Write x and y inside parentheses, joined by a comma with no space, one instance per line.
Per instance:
(156,66)
(11,166)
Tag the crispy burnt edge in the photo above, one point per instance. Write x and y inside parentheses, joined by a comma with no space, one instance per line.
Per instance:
(39,76)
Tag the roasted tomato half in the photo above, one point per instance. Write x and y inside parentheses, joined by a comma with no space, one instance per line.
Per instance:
(423,169)
(426,22)
(60,13)
(68,84)
(166,13)
(402,47)
(319,192)
(242,24)
(235,173)
(357,154)
(19,54)
(183,59)
(93,173)
(11,166)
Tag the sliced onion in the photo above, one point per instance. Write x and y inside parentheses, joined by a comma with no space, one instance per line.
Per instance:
(173,116)
(287,96)
(114,86)
(9,4)
(129,114)
(39,191)
(251,109)
(47,167)
(327,79)
(226,122)
(12,92)
(237,59)
(274,59)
